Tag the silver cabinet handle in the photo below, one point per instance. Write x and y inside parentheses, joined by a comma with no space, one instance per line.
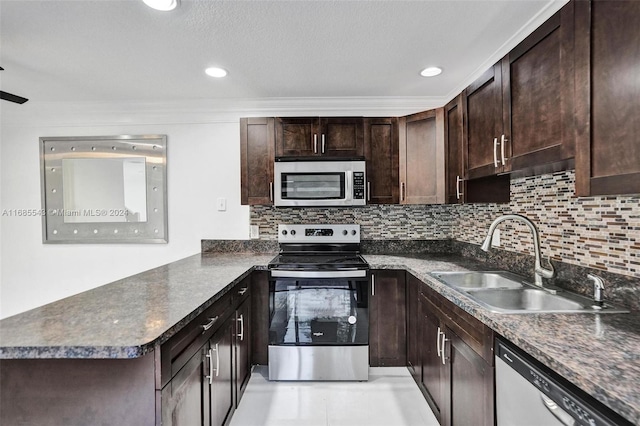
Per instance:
(401,191)
(323,143)
(444,339)
(496,163)
(373,285)
(242,291)
(217,361)
(208,325)
(368,191)
(503,141)
(241,321)
(271,191)
(315,143)
(438,342)
(210,375)
(458,192)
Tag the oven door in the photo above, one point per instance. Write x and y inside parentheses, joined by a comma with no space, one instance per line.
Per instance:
(313,309)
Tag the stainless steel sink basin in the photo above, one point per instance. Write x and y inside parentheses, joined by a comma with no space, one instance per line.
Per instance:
(478,280)
(508,293)
(525,299)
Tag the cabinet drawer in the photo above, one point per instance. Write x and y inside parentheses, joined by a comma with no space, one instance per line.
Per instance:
(177,351)
(241,292)
(470,330)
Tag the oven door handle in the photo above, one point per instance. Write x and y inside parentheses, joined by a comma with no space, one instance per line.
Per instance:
(358,273)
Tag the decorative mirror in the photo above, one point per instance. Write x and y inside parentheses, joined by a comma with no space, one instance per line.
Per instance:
(104,189)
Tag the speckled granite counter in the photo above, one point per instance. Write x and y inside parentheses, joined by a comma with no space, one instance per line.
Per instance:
(126,319)
(598,353)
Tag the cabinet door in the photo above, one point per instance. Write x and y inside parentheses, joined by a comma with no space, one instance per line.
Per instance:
(341,137)
(257,156)
(431,362)
(243,348)
(183,398)
(221,367)
(297,137)
(608,154)
(468,385)
(538,93)
(387,321)
(413,330)
(260,317)
(453,136)
(382,155)
(422,174)
(483,124)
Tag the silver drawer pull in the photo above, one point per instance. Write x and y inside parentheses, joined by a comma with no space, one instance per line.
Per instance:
(208,325)
(241,321)
(241,292)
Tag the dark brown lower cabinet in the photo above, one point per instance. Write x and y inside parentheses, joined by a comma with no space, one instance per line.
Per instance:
(387,321)
(242,349)
(455,372)
(468,385)
(218,382)
(413,329)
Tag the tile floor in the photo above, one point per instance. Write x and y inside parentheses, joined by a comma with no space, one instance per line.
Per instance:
(390,397)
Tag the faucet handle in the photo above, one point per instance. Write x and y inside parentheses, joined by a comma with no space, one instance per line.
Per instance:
(544,272)
(598,286)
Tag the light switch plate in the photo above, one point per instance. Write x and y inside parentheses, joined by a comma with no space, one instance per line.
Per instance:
(495,241)
(254,232)
(221,204)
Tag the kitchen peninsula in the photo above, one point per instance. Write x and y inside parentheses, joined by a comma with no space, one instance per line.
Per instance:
(115,334)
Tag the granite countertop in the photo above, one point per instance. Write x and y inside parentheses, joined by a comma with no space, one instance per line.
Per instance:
(128,318)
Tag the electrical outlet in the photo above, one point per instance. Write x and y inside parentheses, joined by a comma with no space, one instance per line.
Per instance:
(221,204)
(254,232)
(495,241)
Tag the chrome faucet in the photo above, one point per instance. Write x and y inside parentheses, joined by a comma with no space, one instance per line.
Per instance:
(539,271)
(598,286)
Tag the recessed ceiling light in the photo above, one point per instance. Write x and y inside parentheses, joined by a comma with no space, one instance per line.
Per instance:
(430,72)
(164,5)
(216,72)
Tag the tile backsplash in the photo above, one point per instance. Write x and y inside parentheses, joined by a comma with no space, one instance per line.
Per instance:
(596,232)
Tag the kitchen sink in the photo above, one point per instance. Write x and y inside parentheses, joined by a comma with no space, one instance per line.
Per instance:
(504,292)
(480,280)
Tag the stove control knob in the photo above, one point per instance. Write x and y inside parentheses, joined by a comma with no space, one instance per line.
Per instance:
(284,232)
(345,232)
(353,232)
(293,232)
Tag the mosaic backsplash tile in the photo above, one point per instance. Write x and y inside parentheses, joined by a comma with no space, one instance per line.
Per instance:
(596,232)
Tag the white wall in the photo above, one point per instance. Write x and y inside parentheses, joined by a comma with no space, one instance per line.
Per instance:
(203,164)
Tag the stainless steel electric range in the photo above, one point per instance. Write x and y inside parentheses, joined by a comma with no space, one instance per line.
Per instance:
(318,305)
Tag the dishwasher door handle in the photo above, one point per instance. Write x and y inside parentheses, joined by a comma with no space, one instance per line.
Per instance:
(558,412)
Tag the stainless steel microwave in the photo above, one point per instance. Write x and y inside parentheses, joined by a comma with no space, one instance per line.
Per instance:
(319,183)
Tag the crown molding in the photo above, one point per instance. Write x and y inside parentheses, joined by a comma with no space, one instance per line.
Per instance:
(206,110)
(545,13)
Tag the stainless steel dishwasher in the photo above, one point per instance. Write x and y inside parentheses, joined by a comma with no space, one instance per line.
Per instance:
(527,393)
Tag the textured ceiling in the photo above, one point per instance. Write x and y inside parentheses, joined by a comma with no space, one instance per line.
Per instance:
(105,50)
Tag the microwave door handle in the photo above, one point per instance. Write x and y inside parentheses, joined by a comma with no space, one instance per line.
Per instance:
(348,191)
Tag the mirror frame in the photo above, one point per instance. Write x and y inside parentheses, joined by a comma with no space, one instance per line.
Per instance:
(53,150)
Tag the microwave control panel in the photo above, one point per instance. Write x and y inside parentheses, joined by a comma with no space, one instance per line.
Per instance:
(358,185)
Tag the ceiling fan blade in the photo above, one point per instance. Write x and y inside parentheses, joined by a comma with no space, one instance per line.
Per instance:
(12,98)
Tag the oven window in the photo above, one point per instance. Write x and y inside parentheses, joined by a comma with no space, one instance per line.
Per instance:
(318,312)
(312,186)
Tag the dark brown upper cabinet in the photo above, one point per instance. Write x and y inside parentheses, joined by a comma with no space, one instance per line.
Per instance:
(257,155)
(422,158)
(453,138)
(313,136)
(520,112)
(608,106)
(459,189)
(381,152)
